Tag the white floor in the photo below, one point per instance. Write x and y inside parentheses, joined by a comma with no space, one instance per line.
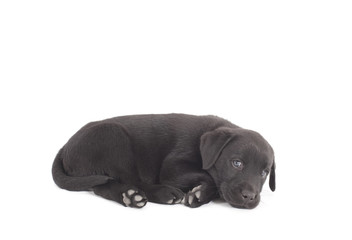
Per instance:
(299,208)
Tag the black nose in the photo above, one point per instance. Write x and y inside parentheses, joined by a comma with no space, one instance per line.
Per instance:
(248,195)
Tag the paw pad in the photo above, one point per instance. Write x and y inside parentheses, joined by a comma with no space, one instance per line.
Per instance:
(174,201)
(192,198)
(132,198)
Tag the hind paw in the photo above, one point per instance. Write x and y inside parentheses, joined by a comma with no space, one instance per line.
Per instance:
(134,198)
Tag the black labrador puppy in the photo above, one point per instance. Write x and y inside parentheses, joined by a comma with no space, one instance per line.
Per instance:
(167,159)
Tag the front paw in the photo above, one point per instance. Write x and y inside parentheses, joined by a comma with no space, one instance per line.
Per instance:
(163,194)
(195,197)
(168,195)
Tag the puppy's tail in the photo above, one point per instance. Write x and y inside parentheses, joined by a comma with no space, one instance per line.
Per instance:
(72,183)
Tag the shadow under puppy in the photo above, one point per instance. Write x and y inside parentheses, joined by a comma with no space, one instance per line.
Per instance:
(168,159)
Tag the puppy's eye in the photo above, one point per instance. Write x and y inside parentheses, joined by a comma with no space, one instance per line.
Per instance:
(264,173)
(237,164)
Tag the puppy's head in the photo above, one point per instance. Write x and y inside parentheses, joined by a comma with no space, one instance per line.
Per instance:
(239,161)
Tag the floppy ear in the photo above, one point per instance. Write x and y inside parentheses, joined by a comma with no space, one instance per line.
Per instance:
(272,182)
(211,145)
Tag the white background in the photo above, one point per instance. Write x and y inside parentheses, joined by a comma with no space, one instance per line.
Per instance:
(282,68)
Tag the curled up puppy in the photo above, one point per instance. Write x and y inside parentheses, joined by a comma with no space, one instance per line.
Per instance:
(167,159)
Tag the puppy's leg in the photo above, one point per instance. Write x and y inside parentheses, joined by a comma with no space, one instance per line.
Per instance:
(201,194)
(162,193)
(200,187)
(127,195)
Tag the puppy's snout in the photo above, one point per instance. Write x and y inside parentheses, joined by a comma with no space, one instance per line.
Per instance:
(248,195)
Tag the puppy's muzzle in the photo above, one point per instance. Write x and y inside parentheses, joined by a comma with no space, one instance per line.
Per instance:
(240,196)
(248,195)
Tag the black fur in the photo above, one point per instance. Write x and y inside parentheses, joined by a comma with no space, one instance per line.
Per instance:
(166,159)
